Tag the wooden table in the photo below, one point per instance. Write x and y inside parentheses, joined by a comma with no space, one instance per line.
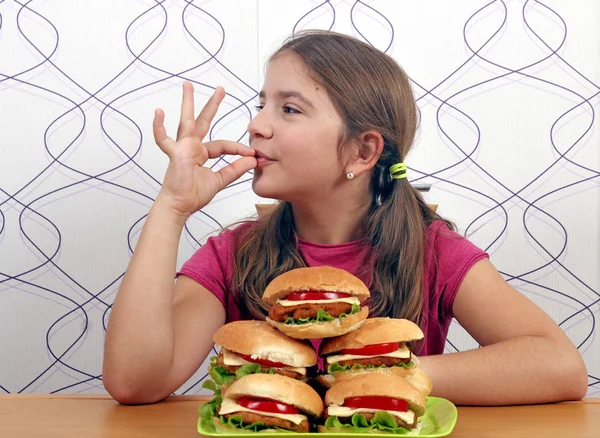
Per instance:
(69,416)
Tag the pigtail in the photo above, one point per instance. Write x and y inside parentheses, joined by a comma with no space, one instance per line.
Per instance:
(395,229)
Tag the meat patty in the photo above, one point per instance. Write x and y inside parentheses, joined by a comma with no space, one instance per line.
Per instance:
(369,416)
(281,313)
(375,361)
(231,369)
(251,417)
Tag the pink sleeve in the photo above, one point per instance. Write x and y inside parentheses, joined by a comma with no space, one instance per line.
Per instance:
(455,255)
(211,265)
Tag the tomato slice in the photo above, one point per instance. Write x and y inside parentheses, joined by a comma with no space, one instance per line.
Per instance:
(316,295)
(372,350)
(263,362)
(377,402)
(267,405)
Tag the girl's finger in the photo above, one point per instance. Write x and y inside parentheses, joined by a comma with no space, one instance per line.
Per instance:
(160,133)
(234,171)
(224,147)
(186,120)
(208,113)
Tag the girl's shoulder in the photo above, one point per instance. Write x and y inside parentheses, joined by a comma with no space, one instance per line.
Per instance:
(439,229)
(446,246)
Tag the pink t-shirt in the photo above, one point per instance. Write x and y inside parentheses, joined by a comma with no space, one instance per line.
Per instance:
(448,257)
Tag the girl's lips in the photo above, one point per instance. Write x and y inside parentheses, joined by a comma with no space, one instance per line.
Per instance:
(262,161)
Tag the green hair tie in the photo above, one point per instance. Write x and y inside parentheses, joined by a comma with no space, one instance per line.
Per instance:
(398,171)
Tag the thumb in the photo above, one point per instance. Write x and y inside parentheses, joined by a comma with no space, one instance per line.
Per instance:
(235,170)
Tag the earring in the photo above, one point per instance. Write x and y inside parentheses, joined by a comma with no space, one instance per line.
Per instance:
(350,175)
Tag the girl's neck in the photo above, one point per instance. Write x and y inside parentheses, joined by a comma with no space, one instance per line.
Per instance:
(331,222)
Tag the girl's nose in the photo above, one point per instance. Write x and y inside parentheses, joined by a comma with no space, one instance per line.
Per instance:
(260,126)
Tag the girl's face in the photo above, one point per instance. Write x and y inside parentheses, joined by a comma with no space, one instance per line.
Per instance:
(295,135)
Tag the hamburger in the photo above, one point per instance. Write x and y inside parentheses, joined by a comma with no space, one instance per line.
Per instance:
(377,347)
(373,403)
(251,347)
(264,402)
(318,302)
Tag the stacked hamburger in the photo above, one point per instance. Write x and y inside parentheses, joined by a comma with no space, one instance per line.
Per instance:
(372,379)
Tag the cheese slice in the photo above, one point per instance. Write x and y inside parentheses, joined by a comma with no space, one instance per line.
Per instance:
(230,406)
(348,300)
(402,353)
(233,359)
(342,411)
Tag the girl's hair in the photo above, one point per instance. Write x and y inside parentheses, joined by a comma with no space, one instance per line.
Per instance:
(370,91)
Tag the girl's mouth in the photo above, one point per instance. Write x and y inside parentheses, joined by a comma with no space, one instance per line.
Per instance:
(263,159)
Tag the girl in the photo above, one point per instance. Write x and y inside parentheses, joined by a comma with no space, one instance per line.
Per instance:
(337,119)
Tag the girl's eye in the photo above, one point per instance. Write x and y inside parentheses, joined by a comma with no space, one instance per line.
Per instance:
(290,110)
(258,108)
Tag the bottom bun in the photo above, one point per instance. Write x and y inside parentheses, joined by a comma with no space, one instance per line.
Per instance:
(318,330)
(224,428)
(348,430)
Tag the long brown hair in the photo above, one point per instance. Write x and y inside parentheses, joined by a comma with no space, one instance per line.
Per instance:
(370,91)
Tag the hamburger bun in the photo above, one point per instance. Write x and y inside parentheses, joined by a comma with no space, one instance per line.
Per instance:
(259,339)
(374,331)
(224,428)
(420,380)
(386,385)
(280,388)
(328,380)
(321,278)
(414,375)
(327,329)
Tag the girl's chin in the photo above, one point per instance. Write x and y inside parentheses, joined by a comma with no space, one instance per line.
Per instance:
(265,190)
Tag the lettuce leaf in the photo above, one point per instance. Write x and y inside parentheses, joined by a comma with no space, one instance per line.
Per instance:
(236,421)
(359,420)
(208,410)
(355,309)
(382,421)
(220,375)
(249,368)
(211,386)
(337,368)
(322,316)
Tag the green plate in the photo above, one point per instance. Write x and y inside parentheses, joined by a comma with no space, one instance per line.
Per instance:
(439,420)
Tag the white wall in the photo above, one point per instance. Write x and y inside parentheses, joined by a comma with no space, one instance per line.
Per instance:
(509,140)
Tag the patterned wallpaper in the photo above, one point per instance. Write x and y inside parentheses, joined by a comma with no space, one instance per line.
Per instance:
(507,92)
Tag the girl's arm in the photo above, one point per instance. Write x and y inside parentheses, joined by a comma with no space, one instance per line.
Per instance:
(525,357)
(158,333)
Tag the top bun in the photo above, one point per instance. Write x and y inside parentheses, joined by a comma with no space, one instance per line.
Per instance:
(374,331)
(280,388)
(259,339)
(322,278)
(377,384)
(421,381)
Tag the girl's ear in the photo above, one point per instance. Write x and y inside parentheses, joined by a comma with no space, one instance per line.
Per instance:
(365,152)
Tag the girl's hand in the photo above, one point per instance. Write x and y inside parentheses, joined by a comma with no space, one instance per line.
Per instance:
(188,186)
